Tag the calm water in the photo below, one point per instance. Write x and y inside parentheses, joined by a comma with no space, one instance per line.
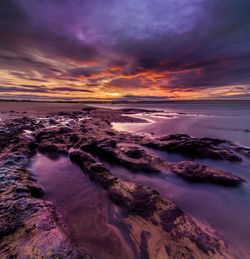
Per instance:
(227,120)
(83,205)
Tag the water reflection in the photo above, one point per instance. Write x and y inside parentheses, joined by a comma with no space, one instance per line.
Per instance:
(83,205)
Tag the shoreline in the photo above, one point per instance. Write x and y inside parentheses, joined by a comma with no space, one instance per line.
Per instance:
(161,218)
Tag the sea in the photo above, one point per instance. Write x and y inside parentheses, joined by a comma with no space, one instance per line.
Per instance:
(226,209)
(218,119)
(86,208)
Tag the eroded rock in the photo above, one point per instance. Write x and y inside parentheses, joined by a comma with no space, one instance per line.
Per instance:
(96,171)
(194,147)
(167,222)
(137,159)
(195,172)
(29,226)
(159,228)
(129,156)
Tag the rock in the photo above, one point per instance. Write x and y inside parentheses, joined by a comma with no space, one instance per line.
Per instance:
(89,109)
(29,229)
(158,228)
(82,159)
(129,156)
(52,122)
(169,225)
(36,191)
(175,137)
(62,113)
(135,153)
(243,150)
(110,133)
(33,146)
(64,130)
(50,148)
(137,159)
(194,147)
(195,172)
(137,199)
(74,138)
(29,226)
(96,171)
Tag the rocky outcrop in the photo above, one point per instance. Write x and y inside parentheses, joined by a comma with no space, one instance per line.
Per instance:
(96,171)
(194,147)
(167,223)
(29,226)
(195,172)
(137,159)
(30,229)
(127,155)
(243,150)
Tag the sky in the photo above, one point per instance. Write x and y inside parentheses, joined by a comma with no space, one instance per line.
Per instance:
(124,50)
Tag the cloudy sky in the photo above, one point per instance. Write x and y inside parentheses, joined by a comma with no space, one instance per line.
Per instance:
(133,49)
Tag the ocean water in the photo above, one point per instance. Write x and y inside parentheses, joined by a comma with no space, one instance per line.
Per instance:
(225,209)
(219,119)
(86,208)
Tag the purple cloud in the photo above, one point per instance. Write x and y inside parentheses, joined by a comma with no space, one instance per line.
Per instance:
(195,44)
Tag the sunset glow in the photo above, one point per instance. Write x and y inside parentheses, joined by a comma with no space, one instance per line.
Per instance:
(130,50)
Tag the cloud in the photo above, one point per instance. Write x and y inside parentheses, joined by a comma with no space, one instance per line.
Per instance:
(84,71)
(143,46)
(24,88)
(125,83)
(70,89)
(27,76)
(41,89)
(23,29)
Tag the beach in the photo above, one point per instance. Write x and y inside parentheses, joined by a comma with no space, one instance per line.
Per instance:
(166,180)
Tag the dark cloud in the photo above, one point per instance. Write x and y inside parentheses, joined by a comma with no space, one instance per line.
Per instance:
(70,89)
(22,31)
(126,83)
(191,45)
(28,65)
(216,73)
(24,89)
(218,47)
(84,71)
(41,89)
